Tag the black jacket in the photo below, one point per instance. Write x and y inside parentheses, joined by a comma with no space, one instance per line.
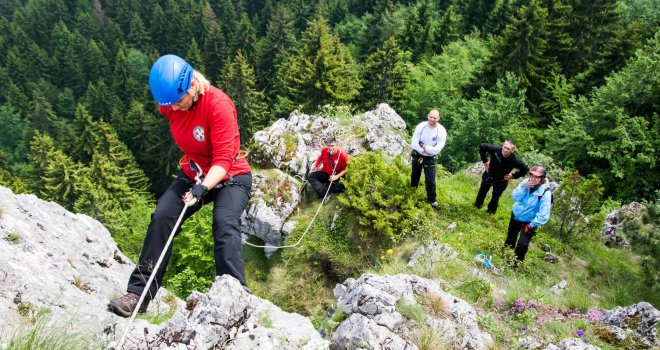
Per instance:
(500,166)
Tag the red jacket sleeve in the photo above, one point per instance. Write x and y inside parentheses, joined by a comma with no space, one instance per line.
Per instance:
(223,130)
(319,159)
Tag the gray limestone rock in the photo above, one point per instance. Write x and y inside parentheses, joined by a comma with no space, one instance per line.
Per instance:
(227,317)
(374,321)
(643,314)
(275,196)
(63,265)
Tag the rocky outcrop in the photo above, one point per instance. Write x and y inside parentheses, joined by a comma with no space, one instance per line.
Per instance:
(638,320)
(59,264)
(227,317)
(291,144)
(615,221)
(275,195)
(378,316)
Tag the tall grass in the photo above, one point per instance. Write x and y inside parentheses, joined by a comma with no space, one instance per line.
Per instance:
(43,333)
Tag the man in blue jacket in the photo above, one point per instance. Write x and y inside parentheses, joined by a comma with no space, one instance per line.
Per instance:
(533,202)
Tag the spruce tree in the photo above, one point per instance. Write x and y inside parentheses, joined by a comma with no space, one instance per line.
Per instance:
(216,51)
(239,84)
(137,36)
(194,57)
(59,179)
(279,39)
(384,76)
(522,50)
(320,73)
(245,38)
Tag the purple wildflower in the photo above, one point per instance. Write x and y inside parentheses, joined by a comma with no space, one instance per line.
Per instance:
(518,306)
(594,315)
(524,328)
(580,333)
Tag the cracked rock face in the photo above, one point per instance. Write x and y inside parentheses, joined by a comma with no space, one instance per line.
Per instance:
(62,264)
(227,317)
(643,315)
(275,195)
(375,308)
(291,144)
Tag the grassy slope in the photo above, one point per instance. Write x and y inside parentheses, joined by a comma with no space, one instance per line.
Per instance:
(301,279)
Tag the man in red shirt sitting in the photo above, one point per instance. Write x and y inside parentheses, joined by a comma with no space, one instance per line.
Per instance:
(330,166)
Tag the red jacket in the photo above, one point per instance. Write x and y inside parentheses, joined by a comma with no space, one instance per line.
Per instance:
(208,134)
(338,161)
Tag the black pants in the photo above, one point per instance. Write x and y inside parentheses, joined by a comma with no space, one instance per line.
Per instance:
(420,162)
(498,188)
(228,205)
(516,227)
(320,180)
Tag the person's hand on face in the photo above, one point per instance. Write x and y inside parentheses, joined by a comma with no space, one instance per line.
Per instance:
(533,181)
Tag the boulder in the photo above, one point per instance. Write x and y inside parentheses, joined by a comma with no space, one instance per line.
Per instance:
(275,195)
(293,144)
(228,317)
(615,221)
(62,265)
(638,320)
(377,317)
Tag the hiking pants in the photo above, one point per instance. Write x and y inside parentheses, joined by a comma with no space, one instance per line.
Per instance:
(498,188)
(420,162)
(319,182)
(517,227)
(228,205)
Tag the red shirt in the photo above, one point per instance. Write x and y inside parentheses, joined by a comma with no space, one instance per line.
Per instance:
(337,161)
(208,134)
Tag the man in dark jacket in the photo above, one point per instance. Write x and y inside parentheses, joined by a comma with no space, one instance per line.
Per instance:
(499,162)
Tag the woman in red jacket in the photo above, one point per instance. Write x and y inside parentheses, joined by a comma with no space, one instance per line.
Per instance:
(204,125)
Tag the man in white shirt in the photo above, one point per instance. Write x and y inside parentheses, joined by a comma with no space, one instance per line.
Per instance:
(427,141)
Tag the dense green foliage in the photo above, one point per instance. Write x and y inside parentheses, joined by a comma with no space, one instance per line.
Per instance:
(381,197)
(577,77)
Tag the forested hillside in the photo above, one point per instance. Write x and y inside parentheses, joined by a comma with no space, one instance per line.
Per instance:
(576,80)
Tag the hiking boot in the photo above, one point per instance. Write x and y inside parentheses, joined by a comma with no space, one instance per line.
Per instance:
(435,205)
(125,305)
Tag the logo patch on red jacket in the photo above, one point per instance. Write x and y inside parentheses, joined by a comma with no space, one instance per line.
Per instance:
(198,133)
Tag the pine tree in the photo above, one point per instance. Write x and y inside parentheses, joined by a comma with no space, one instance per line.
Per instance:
(59,179)
(99,100)
(216,51)
(194,56)
(239,83)
(245,38)
(384,76)
(522,49)
(279,39)
(138,37)
(419,34)
(118,154)
(88,138)
(321,72)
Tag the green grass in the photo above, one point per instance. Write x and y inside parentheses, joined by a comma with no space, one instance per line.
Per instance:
(40,333)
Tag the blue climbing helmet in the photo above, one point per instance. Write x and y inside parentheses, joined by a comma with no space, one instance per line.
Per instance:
(169,79)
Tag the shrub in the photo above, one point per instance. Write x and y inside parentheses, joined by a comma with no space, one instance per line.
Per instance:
(574,200)
(379,193)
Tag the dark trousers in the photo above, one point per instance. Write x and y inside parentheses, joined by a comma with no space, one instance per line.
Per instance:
(498,188)
(515,228)
(319,182)
(420,162)
(228,205)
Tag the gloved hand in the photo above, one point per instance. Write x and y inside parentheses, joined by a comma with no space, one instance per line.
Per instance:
(529,229)
(198,191)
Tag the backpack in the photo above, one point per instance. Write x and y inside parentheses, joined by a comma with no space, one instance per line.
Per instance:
(552,198)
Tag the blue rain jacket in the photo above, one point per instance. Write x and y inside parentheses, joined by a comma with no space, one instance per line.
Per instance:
(528,207)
